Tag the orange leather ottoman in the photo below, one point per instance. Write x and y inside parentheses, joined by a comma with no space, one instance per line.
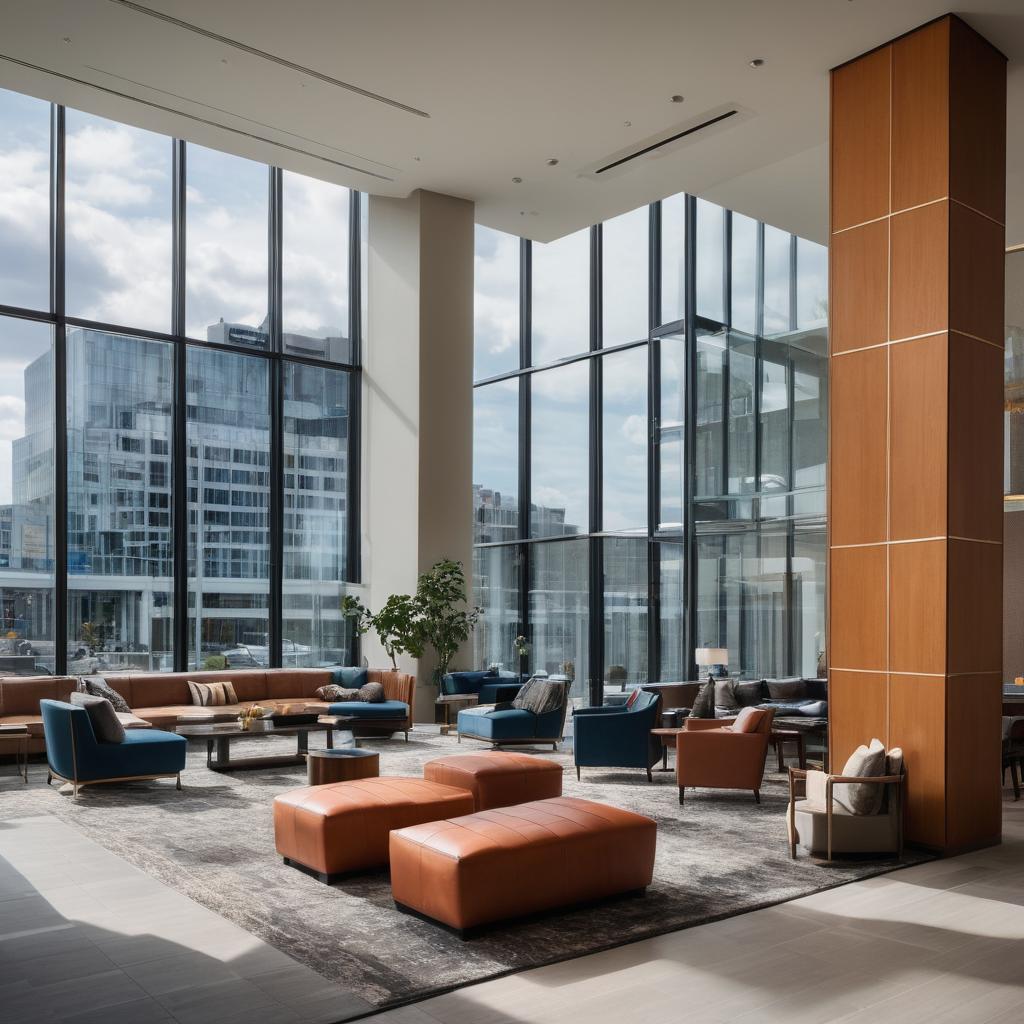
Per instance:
(343,827)
(498,778)
(508,862)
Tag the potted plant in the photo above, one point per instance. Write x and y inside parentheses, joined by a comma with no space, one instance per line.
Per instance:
(396,624)
(522,648)
(445,621)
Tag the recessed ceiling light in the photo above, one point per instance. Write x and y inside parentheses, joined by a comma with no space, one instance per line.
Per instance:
(552,161)
(67,39)
(517,181)
(757,62)
(677,98)
(627,124)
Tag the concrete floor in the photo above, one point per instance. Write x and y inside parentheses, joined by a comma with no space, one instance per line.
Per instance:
(86,937)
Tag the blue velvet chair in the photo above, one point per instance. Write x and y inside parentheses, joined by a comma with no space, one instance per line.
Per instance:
(74,754)
(618,737)
(490,687)
(506,726)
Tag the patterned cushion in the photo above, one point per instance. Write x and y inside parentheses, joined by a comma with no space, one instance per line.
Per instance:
(105,725)
(206,695)
(540,696)
(99,687)
(704,705)
(334,692)
(372,693)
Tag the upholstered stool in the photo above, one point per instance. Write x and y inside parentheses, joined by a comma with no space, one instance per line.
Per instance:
(562,851)
(343,827)
(498,778)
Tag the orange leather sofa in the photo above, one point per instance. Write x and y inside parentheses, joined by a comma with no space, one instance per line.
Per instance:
(160,697)
(498,778)
(565,851)
(344,826)
(712,754)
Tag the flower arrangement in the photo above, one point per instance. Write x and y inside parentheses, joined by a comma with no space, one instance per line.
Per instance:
(521,646)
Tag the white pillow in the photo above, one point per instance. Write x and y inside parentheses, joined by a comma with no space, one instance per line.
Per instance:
(862,797)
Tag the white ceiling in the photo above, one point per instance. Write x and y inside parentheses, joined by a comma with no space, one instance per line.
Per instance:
(507,87)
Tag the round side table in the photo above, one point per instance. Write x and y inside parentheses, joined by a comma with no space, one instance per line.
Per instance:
(343,764)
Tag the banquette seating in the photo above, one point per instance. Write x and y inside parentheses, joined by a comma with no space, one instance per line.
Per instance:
(161,697)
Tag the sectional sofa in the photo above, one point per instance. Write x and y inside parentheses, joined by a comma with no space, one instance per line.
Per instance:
(159,698)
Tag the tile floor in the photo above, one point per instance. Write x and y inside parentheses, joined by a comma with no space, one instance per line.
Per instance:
(941,943)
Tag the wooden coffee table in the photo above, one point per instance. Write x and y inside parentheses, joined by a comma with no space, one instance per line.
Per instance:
(344,764)
(668,739)
(219,737)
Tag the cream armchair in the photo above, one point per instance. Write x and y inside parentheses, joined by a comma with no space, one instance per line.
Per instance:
(820,824)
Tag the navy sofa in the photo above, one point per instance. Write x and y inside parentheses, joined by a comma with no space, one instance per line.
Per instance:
(490,687)
(75,755)
(617,736)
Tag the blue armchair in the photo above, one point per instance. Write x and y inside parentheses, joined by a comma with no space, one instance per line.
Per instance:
(504,725)
(490,687)
(618,737)
(74,754)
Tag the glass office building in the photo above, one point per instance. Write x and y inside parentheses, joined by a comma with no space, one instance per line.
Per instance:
(654,392)
(179,371)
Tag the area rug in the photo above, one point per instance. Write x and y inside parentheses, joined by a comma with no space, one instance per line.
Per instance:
(720,855)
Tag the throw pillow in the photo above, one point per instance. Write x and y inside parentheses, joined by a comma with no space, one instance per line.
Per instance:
(351,677)
(749,693)
(704,705)
(207,695)
(633,698)
(541,696)
(749,720)
(725,694)
(786,689)
(816,709)
(105,725)
(371,693)
(862,797)
(332,693)
(99,687)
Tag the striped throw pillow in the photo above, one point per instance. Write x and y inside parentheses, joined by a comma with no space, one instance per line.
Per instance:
(205,695)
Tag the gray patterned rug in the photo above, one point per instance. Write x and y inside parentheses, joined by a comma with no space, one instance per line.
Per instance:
(720,855)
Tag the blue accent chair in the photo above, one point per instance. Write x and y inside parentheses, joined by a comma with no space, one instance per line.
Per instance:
(490,687)
(618,737)
(74,754)
(506,726)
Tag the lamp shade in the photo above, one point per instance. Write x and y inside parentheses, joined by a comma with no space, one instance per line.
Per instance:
(711,656)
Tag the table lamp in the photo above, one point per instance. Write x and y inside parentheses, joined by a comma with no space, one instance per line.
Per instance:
(711,656)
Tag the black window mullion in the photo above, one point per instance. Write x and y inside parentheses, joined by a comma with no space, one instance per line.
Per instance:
(276,600)
(60,390)
(595,572)
(525,407)
(689,442)
(758,368)
(179,416)
(353,566)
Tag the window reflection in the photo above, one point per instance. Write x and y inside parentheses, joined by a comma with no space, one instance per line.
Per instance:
(624,454)
(744,273)
(496,462)
(777,277)
(496,591)
(495,303)
(561,297)
(673,259)
(710,260)
(624,280)
(624,564)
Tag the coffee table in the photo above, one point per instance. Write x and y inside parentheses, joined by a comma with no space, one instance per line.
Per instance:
(220,736)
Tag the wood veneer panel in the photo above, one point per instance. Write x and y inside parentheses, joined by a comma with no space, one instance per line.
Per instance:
(919,271)
(975,606)
(973,742)
(975,439)
(858,705)
(857,608)
(860,140)
(976,274)
(920,116)
(917,724)
(859,310)
(857,443)
(918,485)
(977,122)
(917,607)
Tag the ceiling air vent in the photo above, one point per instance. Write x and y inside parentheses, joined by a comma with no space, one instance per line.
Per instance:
(696,129)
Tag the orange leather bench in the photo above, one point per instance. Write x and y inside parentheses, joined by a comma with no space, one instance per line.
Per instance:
(559,852)
(344,826)
(498,778)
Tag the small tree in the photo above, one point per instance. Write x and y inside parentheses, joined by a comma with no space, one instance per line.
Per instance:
(396,624)
(444,621)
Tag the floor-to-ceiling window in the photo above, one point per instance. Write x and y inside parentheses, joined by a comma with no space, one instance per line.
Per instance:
(654,392)
(179,367)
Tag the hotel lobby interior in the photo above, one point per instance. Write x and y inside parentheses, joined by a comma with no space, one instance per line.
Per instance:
(303,306)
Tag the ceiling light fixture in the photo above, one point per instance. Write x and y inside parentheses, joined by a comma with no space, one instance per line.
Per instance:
(552,161)
(677,98)
(757,62)
(517,181)
(627,124)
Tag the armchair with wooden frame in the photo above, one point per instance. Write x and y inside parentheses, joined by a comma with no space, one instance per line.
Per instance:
(716,754)
(819,824)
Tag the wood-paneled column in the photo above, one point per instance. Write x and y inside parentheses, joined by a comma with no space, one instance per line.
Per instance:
(918,173)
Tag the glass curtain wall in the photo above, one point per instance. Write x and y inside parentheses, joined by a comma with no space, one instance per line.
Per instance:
(655,394)
(179,346)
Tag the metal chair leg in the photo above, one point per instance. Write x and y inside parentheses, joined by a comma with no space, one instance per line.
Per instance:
(577,773)
(757,796)
(178,783)
(682,795)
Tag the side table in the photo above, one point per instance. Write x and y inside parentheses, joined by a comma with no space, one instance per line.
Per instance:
(779,739)
(668,739)
(448,706)
(342,764)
